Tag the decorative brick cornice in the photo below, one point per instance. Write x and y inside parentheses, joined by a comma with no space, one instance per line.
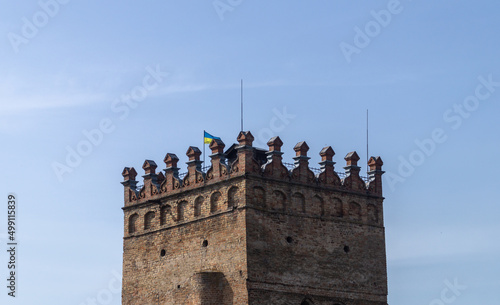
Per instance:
(247,160)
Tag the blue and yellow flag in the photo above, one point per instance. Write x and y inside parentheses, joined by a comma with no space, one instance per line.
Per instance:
(208,138)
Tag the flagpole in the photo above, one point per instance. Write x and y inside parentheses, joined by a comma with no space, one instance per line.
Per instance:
(367,153)
(203,150)
(241,106)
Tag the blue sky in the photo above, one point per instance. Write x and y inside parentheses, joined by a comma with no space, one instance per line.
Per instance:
(427,71)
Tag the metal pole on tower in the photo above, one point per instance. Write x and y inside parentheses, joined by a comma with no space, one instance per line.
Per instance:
(241,97)
(367,153)
(241,106)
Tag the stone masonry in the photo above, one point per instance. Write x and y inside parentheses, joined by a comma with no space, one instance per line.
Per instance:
(250,230)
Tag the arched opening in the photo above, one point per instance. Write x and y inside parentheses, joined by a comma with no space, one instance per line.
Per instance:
(164,211)
(211,288)
(181,210)
(318,206)
(338,208)
(307,302)
(372,213)
(232,197)
(132,223)
(259,197)
(148,220)
(278,202)
(354,211)
(298,203)
(215,202)
(198,206)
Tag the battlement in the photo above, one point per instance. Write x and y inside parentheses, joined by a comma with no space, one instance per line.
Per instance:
(243,159)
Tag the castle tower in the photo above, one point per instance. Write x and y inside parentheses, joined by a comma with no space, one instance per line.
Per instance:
(254,230)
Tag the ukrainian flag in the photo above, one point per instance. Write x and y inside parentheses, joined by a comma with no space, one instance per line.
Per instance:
(208,138)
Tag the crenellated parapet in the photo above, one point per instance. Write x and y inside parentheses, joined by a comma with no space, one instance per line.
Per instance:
(352,179)
(129,183)
(219,169)
(150,177)
(274,167)
(375,175)
(242,159)
(171,181)
(328,176)
(195,175)
(245,161)
(301,172)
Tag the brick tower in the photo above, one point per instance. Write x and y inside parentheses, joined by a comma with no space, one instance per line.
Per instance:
(254,230)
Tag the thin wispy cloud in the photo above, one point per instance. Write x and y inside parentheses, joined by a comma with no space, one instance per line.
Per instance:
(17,104)
(186,87)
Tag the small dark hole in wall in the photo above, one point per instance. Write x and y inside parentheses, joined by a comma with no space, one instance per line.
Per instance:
(163,252)
(346,249)
(205,243)
(289,239)
(178,286)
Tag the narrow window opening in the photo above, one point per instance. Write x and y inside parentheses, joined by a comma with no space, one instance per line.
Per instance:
(205,243)
(289,239)
(163,253)
(346,249)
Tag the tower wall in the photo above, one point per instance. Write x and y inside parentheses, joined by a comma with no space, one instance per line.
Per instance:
(249,230)
(315,253)
(197,249)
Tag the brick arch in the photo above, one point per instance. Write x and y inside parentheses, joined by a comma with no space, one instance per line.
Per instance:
(278,201)
(317,205)
(181,210)
(211,288)
(215,201)
(259,197)
(307,301)
(298,203)
(164,212)
(233,197)
(149,220)
(372,213)
(198,206)
(355,211)
(337,207)
(132,223)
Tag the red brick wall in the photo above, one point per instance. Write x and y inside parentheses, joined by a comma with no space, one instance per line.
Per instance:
(254,233)
(180,277)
